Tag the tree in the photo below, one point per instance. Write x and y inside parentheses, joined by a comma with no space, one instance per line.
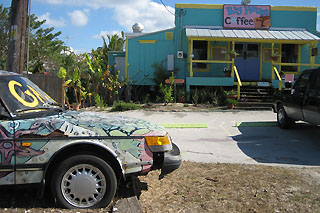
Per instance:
(45,47)
(4,35)
(115,43)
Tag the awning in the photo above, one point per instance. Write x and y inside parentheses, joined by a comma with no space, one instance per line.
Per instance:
(302,36)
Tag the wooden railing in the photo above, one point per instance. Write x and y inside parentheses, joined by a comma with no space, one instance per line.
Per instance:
(279,77)
(239,81)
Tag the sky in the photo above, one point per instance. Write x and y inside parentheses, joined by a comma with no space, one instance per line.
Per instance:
(83,22)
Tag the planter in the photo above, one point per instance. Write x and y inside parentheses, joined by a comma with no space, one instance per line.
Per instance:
(275,58)
(231,106)
(227,74)
(76,106)
(232,55)
(181,99)
(232,96)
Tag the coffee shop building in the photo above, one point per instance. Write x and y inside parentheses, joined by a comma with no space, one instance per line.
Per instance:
(226,45)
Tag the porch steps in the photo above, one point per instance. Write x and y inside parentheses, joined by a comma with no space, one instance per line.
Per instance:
(255,98)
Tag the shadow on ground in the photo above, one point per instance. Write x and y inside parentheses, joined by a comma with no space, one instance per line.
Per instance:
(299,145)
(23,198)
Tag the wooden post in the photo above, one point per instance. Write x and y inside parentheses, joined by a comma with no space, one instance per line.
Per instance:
(272,65)
(190,58)
(17,34)
(232,70)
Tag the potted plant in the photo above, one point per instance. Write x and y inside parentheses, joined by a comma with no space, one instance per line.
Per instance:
(231,94)
(231,103)
(181,95)
(275,56)
(227,72)
(233,54)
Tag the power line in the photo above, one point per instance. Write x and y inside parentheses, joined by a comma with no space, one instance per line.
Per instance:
(166,8)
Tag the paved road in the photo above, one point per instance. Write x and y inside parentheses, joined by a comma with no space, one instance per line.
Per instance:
(223,142)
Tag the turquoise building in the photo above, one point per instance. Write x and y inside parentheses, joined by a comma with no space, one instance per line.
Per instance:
(226,45)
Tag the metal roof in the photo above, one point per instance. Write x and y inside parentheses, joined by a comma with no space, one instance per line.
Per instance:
(301,35)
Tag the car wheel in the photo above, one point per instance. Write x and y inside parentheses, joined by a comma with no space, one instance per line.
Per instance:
(84,181)
(284,122)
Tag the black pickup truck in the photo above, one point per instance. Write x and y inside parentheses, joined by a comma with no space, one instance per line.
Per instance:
(300,102)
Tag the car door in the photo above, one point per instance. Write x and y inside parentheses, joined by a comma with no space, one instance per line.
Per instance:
(7,148)
(311,109)
(293,102)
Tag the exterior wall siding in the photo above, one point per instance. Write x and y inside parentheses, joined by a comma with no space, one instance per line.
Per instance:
(141,56)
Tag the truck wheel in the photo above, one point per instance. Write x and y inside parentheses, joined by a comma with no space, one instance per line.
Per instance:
(284,122)
(83,181)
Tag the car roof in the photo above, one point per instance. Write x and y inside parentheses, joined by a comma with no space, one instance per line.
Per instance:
(6,73)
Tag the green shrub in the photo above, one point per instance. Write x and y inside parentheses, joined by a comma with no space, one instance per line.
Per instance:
(123,106)
(99,101)
(230,101)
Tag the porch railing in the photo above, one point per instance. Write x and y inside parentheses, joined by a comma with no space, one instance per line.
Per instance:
(239,81)
(279,78)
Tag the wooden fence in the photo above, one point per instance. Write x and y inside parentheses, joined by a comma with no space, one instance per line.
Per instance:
(51,84)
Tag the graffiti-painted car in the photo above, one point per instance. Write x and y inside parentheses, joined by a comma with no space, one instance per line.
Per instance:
(81,156)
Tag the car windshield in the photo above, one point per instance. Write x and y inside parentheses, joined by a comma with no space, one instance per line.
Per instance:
(20,95)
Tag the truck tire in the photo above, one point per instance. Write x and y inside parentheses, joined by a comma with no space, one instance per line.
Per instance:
(284,122)
(83,181)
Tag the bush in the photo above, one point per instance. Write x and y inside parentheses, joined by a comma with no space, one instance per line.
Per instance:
(123,106)
(230,101)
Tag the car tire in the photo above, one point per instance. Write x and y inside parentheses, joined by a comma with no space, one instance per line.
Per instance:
(83,181)
(284,122)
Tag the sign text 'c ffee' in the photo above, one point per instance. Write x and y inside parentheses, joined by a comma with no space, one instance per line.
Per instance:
(247,16)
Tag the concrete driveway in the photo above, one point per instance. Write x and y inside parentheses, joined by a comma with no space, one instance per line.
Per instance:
(225,142)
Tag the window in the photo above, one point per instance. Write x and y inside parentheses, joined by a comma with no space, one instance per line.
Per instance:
(200,52)
(253,51)
(239,48)
(315,81)
(219,53)
(289,55)
(169,35)
(302,81)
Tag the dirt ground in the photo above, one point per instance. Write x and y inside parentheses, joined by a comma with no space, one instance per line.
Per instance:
(198,187)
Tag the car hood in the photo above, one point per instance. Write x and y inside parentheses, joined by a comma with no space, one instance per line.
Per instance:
(83,124)
(106,124)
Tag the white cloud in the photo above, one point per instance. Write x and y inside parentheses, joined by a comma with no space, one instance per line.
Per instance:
(52,22)
(79,18)
(95,4)
(106,33)
(152,15)
(52,1)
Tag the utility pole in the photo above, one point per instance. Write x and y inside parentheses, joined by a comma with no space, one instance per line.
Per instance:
(17,32)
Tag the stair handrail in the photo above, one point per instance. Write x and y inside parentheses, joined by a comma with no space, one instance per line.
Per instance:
(239,81)
(279,77)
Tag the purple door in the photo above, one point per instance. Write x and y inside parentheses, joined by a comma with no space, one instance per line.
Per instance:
(248,61)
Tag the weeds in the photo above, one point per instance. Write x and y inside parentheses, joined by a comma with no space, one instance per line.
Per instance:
(121,106)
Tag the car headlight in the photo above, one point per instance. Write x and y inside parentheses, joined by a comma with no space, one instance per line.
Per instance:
(159,144)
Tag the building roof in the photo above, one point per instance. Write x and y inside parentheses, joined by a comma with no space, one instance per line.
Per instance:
(220,6)
(274,35)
